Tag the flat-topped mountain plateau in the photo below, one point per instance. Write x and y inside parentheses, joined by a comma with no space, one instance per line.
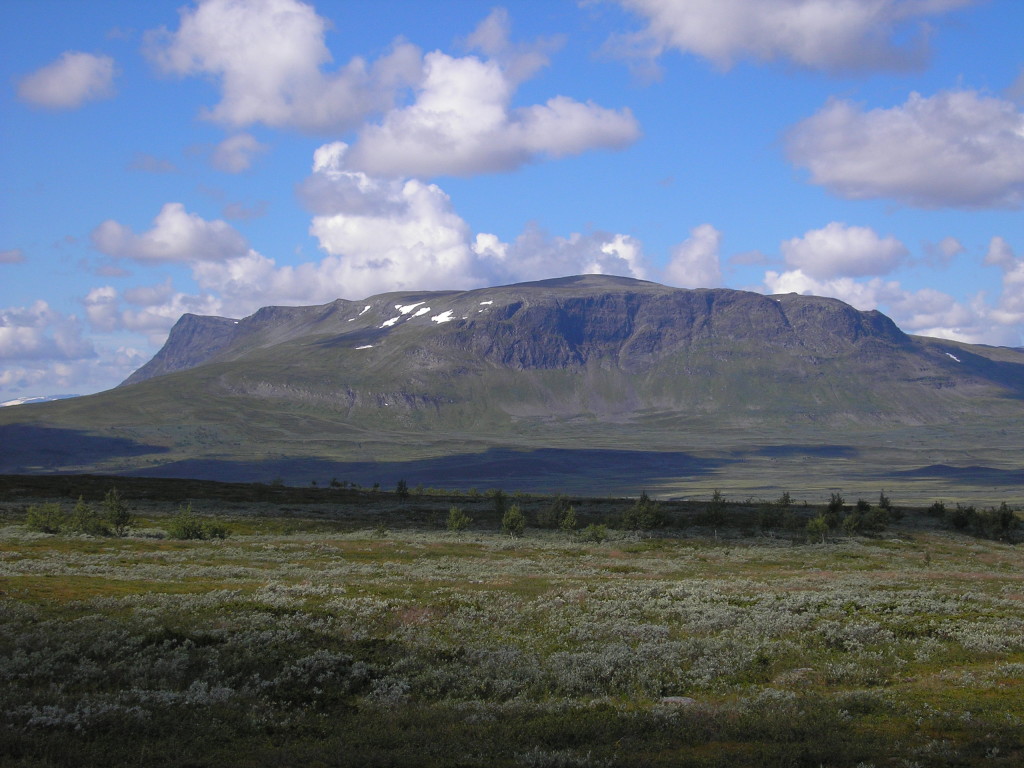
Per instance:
(590,383)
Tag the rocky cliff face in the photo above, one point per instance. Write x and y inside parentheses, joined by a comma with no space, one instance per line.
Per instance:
(557,324)
(193,340)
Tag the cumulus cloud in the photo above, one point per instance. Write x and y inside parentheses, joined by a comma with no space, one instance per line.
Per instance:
(402,234)
(235,154)
(927,312)
(940,254)
(44,377)
(153,309)
(101,308)
(12,256)
(382,234)
(1000,253)
(39,333)
(537,255)
(461,122)
(828,35)
(695,262)
(269,58)
(176,235)
(839,249)
(955,149)
(69,82)
(1010,307)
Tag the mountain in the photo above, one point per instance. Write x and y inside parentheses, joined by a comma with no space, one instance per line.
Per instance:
(589,363)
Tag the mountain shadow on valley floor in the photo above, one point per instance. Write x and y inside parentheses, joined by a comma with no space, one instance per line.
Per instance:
(973,475)
(540,470)
(31,448)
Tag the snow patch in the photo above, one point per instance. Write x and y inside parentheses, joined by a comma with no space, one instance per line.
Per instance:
(484,303)
(365,310)
(366,346)
(421,311)
(953,356)
(408,307)
(390,322)
(42,399)
(444,317)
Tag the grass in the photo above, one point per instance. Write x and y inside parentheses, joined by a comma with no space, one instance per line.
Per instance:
(363,633)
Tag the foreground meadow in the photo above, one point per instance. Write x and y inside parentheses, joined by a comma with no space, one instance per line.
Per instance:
(320,635)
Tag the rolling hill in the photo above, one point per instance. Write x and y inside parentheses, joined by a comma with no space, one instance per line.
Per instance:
(595,382)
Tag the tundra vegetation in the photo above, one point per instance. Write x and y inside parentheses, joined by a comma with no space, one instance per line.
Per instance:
(335,626)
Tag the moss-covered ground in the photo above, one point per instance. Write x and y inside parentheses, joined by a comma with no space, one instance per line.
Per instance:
(362,632)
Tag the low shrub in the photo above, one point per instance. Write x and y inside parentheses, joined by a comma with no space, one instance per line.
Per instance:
(116,512)
(85,519)
(512,522)
(458,520)
(45,518)
(187,525)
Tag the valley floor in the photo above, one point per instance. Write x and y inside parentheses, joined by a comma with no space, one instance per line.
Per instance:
(365,633)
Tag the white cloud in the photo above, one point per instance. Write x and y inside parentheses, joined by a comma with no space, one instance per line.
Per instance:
(1000,253)
(536,255)
(268,56)
(235,154)
(926,312)
(49,377)
(1010,307)
(461,122)
(176,235)
(827,262)
(39,333)
(940,254)
(393,233)
(101,308)
(695,262)
(70,81)
(839,250)
(12,256)
(829,35)
(956,149)
(155,308)
(386,234)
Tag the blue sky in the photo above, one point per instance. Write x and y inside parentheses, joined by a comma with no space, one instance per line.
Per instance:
(217,156)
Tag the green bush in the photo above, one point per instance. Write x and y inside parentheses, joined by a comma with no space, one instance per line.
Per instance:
(116,513)
(45,518)
(512,522)
(643,515)
(187,525)
(551,515)
(402,489)
(595,533)
(818,527)
(568,522)
(86,519)
(458,520)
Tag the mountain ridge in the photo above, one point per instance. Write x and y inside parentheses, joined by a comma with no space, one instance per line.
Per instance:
(575,364)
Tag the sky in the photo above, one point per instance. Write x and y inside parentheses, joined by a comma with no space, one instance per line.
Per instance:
(218,156)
